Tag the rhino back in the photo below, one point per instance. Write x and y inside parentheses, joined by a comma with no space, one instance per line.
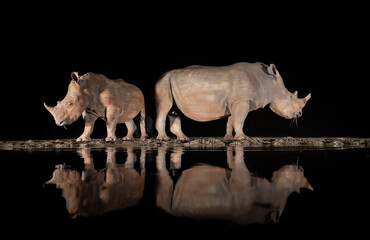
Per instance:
(105,92)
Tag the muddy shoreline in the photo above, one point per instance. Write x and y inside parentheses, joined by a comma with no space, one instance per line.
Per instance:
(195,142)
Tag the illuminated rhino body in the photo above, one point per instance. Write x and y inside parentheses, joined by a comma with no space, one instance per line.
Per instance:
(94,95)
(205,93)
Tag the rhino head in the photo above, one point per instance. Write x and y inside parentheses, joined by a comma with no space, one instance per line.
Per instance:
(288,179)
(291,177)
(71,107)
(283,102)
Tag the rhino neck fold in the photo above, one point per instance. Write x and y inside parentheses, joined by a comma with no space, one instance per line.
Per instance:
(274,91)
(268,97)
(91,104)
(93,112)
(265,93)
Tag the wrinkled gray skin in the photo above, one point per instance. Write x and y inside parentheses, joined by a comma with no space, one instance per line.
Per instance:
(208,93)
(94,95)
(211,192)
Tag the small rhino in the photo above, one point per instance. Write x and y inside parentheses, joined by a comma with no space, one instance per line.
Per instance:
(95,95)
(205,93)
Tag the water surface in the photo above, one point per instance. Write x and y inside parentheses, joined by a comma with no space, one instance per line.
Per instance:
(230,191)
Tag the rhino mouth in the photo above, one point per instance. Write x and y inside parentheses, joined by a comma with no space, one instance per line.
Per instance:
(63,124)
(293,116)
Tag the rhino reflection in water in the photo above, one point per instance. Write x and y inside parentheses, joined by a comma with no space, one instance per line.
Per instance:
(96,192)
(210,192)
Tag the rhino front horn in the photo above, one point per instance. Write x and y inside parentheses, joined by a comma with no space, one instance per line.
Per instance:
(307,97)
(49,108)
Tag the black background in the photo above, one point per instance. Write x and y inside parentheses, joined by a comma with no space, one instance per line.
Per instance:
(318,51)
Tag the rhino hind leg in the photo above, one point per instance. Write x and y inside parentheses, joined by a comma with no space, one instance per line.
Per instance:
(160,125)
(229,129)
(164,102)
(144,135)
(112,114)
(131,128)
(175,127)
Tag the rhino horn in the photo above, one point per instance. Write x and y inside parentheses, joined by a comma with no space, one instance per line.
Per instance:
(307,97)
(51,181)
(49,108)
(296,93)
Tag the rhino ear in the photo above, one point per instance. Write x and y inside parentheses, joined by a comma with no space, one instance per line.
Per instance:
(74,87)
(272,70)
(75,76)
(296,93)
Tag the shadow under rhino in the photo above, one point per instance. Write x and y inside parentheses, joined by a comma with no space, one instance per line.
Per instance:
(210,192)
(93,192)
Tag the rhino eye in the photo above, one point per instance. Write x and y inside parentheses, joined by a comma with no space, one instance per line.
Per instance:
(70,104)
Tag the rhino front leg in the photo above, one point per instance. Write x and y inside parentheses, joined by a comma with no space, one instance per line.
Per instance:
(239,111)
(89,127)
(240,174)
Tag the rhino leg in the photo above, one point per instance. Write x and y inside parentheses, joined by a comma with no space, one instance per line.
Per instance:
(240,174)
(112,114)
(164,101)
(239,111)
(230,156)
(131,158)
(142,124)
(89,127)
(175,128)
(131,128)
(160,125)
(175,159)
(164,189)
(229,129)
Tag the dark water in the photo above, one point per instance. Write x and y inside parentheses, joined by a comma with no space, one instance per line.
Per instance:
(230,192)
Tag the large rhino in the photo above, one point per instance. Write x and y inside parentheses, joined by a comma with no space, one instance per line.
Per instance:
(205,93)
(94,95)
(211,192)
